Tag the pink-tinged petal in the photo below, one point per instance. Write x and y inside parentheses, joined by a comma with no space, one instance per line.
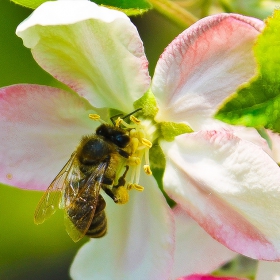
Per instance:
(195,250)
(139,243)
(40,128)
(268,271)
(204,65)
(208,277)
(245,133)
(230,186)
(94,50)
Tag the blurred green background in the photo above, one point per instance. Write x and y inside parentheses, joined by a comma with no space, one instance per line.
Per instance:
(28,251)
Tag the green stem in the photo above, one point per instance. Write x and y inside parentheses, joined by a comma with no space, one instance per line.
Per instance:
(174,12)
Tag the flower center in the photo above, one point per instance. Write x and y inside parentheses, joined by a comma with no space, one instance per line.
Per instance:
(141,134)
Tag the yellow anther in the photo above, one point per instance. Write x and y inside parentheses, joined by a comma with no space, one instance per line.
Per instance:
(118,122)
(135,187)
(94,117)
(147,169)
(135,120)
(121,194)
(146,142)
(134,161)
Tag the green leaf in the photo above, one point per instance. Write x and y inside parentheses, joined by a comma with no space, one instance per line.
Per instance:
(131,8)
(258,104)
(32,4)
(158,162)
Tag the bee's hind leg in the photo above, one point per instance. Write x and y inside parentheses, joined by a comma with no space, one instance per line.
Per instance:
(119,192)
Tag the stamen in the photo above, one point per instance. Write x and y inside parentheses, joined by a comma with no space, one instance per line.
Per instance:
(134,143)
(124,123)
(147,160)
(118,121)
(137,174)
(146,142)
(135,120)
(95,117)
(147,169)
(134,161)
(133,133)
(139,132)
(136,187)
(132,175)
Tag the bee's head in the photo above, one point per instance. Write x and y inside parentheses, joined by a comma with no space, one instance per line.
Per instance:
(114,134)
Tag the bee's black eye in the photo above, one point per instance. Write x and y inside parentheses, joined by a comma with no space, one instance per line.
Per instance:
(120,140)
(114,134)
(102,130)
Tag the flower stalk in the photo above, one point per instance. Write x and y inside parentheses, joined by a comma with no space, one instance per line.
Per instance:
(174,12)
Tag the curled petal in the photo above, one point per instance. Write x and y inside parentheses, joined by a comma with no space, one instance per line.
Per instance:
(245,133)
(274,139)
(195,250)
(40,128)
(139,243)
(203,66)
(252,135)
(230,186)
(94,50)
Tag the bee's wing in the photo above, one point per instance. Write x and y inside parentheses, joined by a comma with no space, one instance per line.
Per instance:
(51,199)
(80,211)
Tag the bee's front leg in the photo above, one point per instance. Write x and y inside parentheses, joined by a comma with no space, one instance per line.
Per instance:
(123,153)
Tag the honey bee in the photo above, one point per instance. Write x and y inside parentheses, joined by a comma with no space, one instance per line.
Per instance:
(92,166)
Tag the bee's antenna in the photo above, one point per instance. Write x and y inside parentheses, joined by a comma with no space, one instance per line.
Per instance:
(125,117)
(128,115)
(112,118)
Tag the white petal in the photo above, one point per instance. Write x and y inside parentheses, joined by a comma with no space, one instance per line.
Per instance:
(196,251)
(230,186)
(94,50)
(268,271)
(40,128)
(204,65)
(139,243)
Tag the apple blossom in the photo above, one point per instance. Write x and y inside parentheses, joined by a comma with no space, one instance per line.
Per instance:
(220,175)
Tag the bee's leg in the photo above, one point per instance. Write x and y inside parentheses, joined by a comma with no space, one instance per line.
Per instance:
(123,153)
(107,181)
(119,192)
(109,191)
(106,186)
